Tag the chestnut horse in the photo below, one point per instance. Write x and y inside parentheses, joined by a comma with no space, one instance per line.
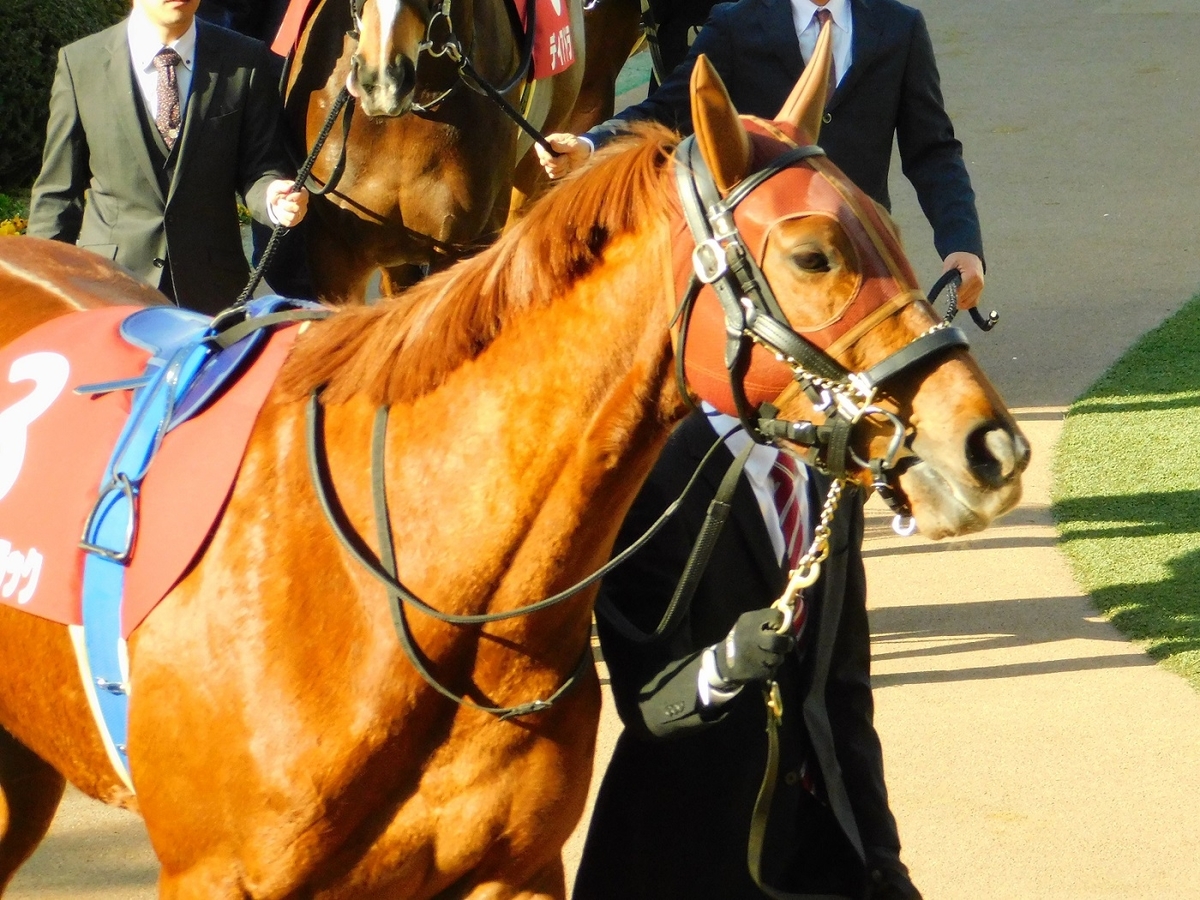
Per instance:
(282,742)
(432,165)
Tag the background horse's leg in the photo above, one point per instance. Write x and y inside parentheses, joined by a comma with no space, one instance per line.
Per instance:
(30,790)
(611,29)
(340,272)
(394,279)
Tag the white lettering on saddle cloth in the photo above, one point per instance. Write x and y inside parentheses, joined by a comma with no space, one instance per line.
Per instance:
(20,570)
(49,373)
(17,567)
(562,51)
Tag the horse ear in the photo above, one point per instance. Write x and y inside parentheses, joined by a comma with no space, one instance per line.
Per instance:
(720,135)
(806,104)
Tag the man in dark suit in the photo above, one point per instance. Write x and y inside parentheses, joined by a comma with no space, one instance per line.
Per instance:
(888,88)
(674,810)
(156,126)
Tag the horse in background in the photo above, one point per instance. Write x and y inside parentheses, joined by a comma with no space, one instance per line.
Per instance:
(282,741)
(618,29)
(433,168)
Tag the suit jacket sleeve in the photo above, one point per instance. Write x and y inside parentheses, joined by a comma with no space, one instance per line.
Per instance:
(261,155)
(654,683)
(931,156)
(56,203)
(851,711)
(671,103)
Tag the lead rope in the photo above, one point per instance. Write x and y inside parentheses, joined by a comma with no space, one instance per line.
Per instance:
(806,573)
(343,100)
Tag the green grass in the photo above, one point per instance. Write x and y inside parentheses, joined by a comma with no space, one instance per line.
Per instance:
(14,206)
(1126,492)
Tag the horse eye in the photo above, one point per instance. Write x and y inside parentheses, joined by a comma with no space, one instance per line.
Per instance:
(811,260)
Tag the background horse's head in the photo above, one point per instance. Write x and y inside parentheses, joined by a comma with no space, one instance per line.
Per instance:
(893,394)
(383,69)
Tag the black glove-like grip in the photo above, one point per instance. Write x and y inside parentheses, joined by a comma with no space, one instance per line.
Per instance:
(754,648)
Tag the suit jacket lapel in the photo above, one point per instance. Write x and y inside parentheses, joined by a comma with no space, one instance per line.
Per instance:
(206,79)
(777,33)
(126,106)
(864,44)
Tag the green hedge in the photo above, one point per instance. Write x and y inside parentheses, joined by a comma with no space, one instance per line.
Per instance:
(31,33)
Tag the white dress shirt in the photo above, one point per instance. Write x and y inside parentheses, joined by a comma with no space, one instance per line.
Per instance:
(143,45)
(807,29)
(758,473)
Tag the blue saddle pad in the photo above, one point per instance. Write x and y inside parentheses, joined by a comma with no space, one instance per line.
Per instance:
(163,330)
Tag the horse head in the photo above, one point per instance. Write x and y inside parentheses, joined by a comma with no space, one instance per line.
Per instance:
(808,304)
(383,69)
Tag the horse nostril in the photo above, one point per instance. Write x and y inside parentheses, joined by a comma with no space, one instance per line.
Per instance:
(404,75)
(995,455)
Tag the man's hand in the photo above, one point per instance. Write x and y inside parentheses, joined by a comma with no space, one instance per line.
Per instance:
(287,206)
(572,150)
(754,648)
(970,267)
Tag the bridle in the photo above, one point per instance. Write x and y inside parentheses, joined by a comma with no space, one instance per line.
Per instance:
(753,316)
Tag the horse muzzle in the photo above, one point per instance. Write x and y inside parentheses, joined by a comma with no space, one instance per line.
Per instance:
(386,91)
(962,496)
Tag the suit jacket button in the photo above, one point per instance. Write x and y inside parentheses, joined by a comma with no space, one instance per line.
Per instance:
(791,779)
(159,262)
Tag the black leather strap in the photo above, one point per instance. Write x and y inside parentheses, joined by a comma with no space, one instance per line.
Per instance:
(698,559)
(762,811)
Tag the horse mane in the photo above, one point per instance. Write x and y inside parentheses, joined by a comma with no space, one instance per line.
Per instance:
(402,347)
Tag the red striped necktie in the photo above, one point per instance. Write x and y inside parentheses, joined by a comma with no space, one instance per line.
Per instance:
(786,491)
(785,488)
(822,16)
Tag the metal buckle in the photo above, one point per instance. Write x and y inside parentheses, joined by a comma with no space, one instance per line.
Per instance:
(121,482)
(708,261)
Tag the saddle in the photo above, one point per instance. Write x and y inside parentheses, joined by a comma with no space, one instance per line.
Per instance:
(192,362)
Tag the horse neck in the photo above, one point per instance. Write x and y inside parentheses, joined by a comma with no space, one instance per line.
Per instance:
(534,451)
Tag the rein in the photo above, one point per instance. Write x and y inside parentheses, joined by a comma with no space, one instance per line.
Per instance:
(343,100)
(382,566)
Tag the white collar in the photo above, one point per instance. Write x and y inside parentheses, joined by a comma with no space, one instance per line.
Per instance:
(762,457)
(144,42)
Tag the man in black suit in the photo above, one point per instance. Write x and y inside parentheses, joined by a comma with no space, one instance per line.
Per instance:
(156,126)
(888,88)
(674,810)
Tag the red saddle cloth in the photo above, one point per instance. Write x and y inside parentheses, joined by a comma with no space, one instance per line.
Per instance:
(553,50)
(55,446)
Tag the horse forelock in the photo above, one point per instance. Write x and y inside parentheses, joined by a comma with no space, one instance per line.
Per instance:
(403,347)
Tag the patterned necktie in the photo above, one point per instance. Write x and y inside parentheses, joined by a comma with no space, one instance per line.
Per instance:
(167,118)
(821,16)
(786,491)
